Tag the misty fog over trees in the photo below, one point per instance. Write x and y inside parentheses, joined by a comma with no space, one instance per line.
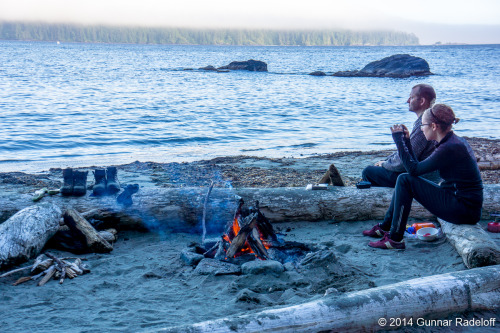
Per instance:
(140,35)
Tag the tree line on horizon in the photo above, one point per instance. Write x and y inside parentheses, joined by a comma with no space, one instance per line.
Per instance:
(188,36)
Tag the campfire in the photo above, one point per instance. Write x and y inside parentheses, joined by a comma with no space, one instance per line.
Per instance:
(250,232)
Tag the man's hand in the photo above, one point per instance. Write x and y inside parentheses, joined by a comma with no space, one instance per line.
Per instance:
(400,128)
(379,163)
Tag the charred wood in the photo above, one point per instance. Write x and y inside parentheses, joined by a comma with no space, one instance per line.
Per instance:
(82,227)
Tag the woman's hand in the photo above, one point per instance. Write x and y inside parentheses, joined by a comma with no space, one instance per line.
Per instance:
(400,128)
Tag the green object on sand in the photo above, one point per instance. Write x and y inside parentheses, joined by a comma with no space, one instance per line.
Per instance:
(40,193)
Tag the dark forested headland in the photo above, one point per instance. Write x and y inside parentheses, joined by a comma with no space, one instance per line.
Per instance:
(187,36)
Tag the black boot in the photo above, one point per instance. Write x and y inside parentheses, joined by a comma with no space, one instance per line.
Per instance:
(112,180)
(125,198)
(80,182)
(67,188)
(100,182)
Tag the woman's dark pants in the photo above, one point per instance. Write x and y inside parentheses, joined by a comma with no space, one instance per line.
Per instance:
(439,201)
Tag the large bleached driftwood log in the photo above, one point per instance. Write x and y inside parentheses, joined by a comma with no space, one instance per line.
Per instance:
(182,208)
(437,295)
(24,235)
(475,246)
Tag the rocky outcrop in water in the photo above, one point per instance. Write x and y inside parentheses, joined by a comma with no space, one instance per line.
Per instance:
(249,65)
(208,68)
(397,66)
(318,73)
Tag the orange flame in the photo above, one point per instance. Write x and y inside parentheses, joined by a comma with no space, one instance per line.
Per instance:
(246,248)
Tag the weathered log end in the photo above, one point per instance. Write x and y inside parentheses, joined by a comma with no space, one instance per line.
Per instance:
(474,245)
(80,226)
(24,234)
(482,256)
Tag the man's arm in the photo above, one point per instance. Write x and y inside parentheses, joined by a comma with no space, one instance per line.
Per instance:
(419,144)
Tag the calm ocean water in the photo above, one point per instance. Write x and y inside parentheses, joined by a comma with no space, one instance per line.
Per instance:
(96,104)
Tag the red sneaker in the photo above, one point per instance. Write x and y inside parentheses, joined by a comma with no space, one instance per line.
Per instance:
(387,243)
(376,232)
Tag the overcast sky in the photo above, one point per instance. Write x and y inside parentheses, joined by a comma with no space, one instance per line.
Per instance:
(465,21)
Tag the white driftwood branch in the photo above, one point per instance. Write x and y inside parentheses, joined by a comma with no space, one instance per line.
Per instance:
(474,245)
(471,290)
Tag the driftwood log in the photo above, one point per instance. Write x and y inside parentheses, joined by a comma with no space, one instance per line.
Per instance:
(182,208)
(474,245)
(23,236)
(435,296)
(84,230)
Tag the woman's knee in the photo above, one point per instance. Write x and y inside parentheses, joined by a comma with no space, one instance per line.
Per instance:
(404,179)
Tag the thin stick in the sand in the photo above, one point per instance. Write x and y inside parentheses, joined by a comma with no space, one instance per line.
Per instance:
(204,212)
(14,271)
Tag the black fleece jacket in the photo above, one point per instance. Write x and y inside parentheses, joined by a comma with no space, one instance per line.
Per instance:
(455,161)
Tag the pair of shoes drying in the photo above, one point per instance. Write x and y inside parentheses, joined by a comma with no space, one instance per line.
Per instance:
(106,181)
(386,242)
(75,182)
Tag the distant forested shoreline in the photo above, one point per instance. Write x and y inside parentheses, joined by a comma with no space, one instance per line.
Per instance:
(187,36)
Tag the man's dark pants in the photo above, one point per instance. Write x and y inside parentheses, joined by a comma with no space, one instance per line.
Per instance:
(380,176)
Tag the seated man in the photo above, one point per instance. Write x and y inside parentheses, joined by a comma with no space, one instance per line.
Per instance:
(385,173)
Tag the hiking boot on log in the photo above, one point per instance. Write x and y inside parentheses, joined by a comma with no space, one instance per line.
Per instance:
(80,182)
(332,176)
(67,188)
(112,180)
(125,198)
(100,182)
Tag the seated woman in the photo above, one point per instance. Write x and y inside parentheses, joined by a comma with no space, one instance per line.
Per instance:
(458,199)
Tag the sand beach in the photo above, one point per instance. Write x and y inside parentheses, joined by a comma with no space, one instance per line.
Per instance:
(144,285)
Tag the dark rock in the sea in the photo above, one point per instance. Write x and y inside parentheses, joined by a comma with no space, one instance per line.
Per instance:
(190,257)
(216,267)
(209,68)
(262,267)
(318,73)
(397,66)
(249,65)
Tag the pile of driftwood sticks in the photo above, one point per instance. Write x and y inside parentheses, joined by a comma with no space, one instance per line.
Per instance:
(47,266)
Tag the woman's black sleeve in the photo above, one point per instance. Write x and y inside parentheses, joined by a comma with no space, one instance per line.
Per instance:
(415,168)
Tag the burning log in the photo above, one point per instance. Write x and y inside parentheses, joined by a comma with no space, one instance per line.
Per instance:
(245,235)
(437,295)
(241,238)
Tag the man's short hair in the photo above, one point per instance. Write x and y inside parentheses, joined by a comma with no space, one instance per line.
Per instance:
(426,91)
